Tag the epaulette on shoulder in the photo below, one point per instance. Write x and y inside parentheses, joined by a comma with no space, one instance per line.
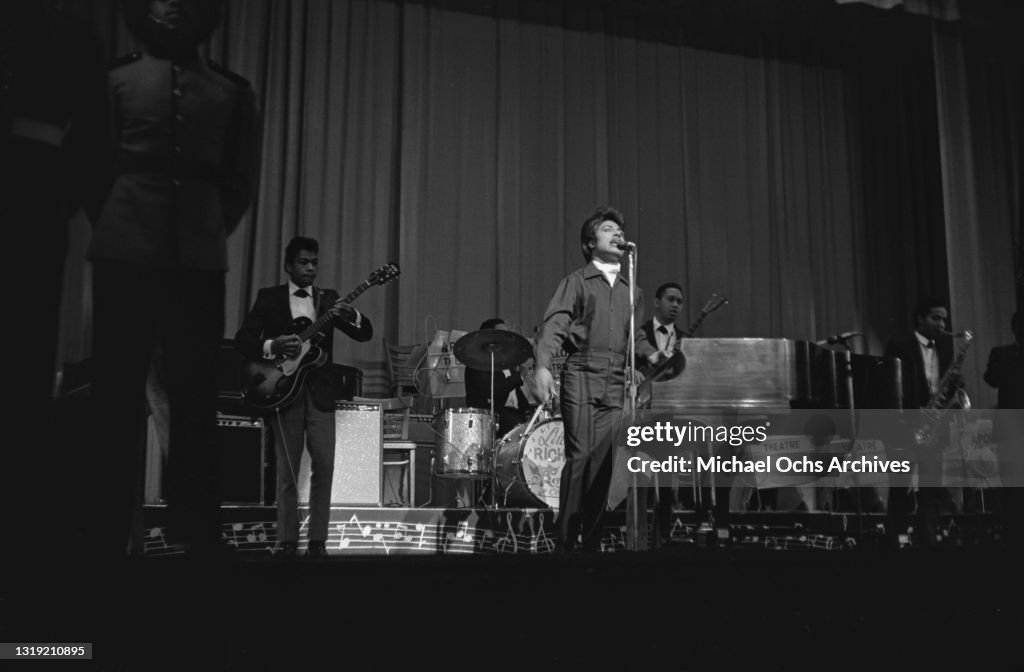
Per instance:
(125,60)
(233,76)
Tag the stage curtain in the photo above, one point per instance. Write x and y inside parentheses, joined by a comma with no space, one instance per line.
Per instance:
(979,112)
(468,141)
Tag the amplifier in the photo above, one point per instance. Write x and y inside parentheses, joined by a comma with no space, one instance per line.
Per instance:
(244,465)
(244,459)
(358,448)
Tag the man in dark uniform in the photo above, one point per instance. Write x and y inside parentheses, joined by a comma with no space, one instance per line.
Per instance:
(308,420)
(187,146)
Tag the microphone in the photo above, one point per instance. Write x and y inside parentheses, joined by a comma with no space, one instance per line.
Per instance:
(838,338)
(625,245)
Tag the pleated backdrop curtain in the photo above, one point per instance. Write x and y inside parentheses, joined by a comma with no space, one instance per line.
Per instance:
(800,177)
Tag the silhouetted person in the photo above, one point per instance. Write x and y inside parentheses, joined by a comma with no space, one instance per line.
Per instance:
(187,144)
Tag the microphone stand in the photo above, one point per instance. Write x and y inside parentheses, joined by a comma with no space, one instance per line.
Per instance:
(633,524)
(848,375)
(494,440)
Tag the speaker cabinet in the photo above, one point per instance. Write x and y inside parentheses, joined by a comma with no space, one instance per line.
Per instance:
(358,447)
(243,450)
(244,461)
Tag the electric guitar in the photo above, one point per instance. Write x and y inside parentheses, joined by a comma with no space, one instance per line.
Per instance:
(674,365)
(269,384)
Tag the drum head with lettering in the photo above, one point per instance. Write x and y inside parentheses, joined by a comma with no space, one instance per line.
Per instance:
(542,460)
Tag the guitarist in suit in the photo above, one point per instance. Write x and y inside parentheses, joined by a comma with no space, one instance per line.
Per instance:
(661,331)
(269,332)
(924,357)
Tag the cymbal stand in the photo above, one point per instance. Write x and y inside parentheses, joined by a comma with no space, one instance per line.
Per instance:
(494,441)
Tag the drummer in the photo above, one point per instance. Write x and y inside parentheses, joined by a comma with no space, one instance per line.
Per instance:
(511,404)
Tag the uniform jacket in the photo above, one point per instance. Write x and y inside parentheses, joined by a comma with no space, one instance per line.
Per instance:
(186,136)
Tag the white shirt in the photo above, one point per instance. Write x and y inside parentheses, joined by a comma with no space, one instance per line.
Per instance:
(610,269)
(666,341)
(930,355)
(302,306)
(511,400)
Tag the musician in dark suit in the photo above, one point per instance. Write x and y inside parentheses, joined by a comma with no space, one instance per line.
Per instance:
(186,139)
(270,330)
(1005,372)
(661,332)
(1005,369)
(924,356)
(511,405)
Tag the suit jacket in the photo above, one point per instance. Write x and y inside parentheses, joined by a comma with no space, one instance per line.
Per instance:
(915,386)
(478,389)
(271,316)
(1005,371)
(648,331)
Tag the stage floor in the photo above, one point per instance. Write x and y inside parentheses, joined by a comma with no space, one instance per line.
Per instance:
(251,531)
(699,608)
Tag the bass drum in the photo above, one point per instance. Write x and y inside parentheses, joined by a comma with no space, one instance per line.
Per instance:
(528,469)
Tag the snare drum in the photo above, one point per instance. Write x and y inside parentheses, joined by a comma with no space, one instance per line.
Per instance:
(528,469)
(464,442)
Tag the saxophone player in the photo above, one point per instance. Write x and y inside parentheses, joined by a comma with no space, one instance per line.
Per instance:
(925,358)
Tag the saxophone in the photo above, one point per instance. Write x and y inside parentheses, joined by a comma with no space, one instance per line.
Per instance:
(949,395)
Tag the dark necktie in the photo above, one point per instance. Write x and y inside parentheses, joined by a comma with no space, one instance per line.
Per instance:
(301,293)
(663,329)
(930,344)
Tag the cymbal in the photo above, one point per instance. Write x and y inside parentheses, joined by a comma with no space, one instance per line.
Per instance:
(509,348)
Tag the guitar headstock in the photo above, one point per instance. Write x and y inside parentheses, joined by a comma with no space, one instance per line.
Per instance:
(384,274)
(714,303)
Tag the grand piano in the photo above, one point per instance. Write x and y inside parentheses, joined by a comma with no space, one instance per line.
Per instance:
(771,374)
(750,381)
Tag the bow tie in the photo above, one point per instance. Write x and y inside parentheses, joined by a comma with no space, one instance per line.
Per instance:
(930,344)
(663,329)
(301,293)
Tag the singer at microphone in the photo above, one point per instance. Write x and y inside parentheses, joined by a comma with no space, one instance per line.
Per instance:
(625,245)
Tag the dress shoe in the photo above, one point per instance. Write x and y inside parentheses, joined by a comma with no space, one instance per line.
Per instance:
(316,549)
(287,550)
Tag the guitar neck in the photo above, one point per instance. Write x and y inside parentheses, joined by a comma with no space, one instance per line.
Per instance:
(696,324)
(325,319)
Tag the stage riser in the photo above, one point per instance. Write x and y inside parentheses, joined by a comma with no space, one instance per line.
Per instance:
(388,531)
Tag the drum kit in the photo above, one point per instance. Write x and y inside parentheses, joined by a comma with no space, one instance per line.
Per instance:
(525,465)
